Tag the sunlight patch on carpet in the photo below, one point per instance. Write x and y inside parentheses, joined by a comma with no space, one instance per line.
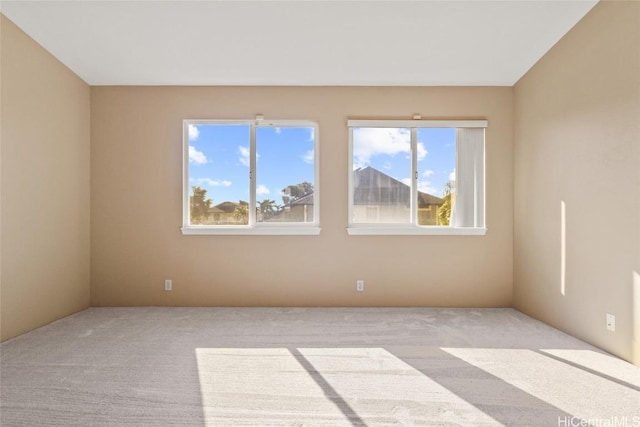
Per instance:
(323,386)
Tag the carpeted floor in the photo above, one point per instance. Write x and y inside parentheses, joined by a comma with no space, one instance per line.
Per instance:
(310,367)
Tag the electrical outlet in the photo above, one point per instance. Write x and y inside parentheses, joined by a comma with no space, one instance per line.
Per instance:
(167,285)
(360,285)
(611,322)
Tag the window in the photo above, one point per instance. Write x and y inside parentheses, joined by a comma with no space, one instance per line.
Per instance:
(416,177)
(250,177)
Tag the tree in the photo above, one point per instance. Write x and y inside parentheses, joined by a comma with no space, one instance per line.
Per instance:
(292,193)
(444,211)
(241,213)
(200,205)
(268,208)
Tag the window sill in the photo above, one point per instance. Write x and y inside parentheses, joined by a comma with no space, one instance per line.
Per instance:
(252,231)
(391,230)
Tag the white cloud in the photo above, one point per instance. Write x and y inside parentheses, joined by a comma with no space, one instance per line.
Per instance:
(427,187)
(452,175)
(387,166)
(244,155)
(427,173)
(422,152)
(312,133)
(196,156)
(211,182)
(245,158)
(424,186)
(261,190)
(370,142)
(193,133)
(308,157)
(278,130)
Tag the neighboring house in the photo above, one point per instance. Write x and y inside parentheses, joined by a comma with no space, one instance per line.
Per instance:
(428,206)
(381,198)
(302,209)
(299,210)
(377,198)
(224,214)
(228,214)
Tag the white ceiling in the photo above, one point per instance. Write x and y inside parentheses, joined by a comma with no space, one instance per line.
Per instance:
(297,42)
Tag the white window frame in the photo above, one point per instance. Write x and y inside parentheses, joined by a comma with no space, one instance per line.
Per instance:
(413,228)
(253,227)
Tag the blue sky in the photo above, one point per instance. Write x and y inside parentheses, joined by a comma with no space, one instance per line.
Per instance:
(219,160)
(388,150)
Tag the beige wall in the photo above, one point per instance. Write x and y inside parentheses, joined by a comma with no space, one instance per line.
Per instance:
(136,207)
(45,186)
(577,141)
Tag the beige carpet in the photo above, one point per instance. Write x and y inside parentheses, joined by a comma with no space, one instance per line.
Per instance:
(310,367)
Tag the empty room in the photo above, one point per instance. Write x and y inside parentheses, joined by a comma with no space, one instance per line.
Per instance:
(320,213)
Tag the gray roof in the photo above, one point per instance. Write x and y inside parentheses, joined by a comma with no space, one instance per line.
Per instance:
(229,207)
(372,187)
(305,200)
